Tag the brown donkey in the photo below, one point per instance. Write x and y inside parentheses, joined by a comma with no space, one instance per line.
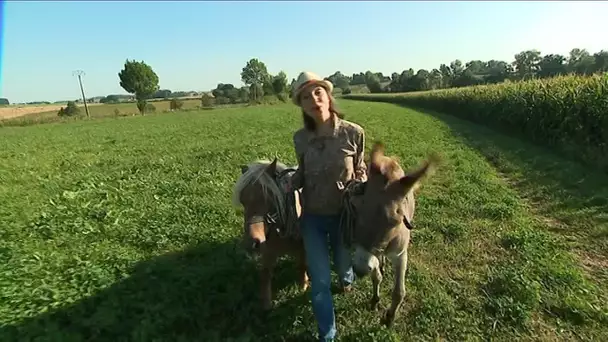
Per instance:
(270,220)
(384,214)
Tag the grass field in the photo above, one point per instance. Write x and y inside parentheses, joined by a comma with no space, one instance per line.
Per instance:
(122,229)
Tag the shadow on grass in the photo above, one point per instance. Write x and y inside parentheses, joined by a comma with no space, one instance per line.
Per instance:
(571,198)
(206,293)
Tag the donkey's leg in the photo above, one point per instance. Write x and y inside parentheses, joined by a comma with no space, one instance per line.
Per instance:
(399,269)
(376,280)
(269,261)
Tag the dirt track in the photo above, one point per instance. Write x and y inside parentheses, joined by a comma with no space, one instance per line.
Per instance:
(16,111)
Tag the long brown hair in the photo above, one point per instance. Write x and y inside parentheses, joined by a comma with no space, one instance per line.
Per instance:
(309,122)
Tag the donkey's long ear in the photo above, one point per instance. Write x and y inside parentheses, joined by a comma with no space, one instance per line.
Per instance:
(244,168)
(413,178)
(272,168)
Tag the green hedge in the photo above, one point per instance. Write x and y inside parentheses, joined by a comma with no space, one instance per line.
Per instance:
(569,113)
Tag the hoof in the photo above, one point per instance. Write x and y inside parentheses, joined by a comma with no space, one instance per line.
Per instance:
(387,319)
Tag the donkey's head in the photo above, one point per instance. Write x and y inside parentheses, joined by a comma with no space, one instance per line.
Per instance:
(387,200)
(259,195)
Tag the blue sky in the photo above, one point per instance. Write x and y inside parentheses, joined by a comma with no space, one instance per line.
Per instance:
(196,45)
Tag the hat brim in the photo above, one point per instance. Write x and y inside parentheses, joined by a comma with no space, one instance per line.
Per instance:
(323,83)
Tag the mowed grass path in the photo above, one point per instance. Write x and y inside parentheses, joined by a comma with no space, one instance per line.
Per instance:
(122,229)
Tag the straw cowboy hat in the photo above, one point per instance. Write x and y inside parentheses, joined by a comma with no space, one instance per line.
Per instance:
(306,78)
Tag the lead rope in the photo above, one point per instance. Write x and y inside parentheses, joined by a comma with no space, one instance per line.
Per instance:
(348,217)
(291,224)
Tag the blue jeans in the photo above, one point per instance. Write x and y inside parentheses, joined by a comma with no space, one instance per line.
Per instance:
(315,231)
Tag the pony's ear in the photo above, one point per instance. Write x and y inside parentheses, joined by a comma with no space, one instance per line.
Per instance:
(374,160)
(373,163)
(272,168)
(377,151)
(244,168)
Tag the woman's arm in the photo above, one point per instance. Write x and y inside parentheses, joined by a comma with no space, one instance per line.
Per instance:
(359,160)
(297,180)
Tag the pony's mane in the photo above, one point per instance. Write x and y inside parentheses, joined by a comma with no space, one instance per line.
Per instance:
(256,172)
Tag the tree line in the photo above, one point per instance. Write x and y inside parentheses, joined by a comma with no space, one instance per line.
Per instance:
(5,102)
(166,94)
(140,80)
(260,86)
(527,65)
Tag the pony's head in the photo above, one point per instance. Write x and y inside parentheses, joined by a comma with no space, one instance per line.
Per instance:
(257,192)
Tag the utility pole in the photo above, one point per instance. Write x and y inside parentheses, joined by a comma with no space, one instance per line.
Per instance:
(84,99)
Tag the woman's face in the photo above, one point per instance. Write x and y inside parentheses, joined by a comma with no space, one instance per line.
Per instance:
(314,100)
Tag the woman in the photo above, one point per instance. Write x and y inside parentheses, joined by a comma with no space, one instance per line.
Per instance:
(330,152)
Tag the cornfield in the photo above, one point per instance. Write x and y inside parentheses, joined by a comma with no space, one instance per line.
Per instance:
(569,113)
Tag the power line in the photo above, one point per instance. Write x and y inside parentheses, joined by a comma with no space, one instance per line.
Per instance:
(84,99)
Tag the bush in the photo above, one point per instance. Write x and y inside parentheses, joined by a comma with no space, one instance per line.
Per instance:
(110,99)
(569,113)
(206,101)
(176,104)
(222,100)
(145,107)
(70,110)
(150,108)
(283,97)
(346,91)
(268,100)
